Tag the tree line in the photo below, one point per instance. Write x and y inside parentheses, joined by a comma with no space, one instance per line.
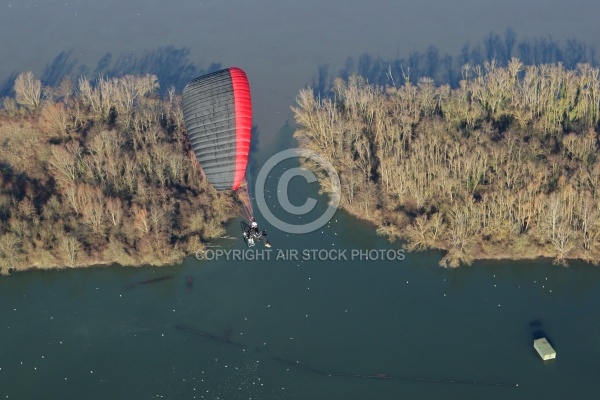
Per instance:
(504,165)
(97,172)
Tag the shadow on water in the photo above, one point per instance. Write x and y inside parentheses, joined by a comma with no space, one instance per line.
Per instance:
(59,69)
(170,64)
(6,86)
(384,376)
(537,331)
(447,69)
(153,280)
(226,338)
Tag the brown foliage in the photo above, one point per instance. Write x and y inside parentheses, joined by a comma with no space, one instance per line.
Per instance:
(54,119)
(503,166)
(20,146)
(79,188)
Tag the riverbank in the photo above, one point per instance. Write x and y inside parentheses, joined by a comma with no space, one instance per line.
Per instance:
(503,167)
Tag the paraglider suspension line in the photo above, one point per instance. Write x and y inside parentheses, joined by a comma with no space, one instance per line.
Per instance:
(243,196)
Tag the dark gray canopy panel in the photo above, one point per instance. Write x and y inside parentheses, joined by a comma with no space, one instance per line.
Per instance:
(217,110)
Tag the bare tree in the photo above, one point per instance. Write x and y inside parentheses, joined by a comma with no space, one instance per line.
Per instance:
(28,90)
(10,249)
(141,219)
(114,211)
(70,248)
(92,207)
(65,162)
(54,119)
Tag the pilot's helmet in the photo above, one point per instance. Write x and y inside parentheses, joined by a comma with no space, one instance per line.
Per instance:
(254,224)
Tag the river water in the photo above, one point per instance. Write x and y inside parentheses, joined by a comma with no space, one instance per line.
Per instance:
(338,313)
(293,321)
(318,316)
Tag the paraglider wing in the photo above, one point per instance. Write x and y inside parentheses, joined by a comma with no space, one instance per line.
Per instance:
(217,110)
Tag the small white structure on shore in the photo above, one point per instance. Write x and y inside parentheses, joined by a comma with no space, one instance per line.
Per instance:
(544,349)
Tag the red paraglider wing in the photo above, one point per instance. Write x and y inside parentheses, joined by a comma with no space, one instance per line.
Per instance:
(243,122)
(217,109)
